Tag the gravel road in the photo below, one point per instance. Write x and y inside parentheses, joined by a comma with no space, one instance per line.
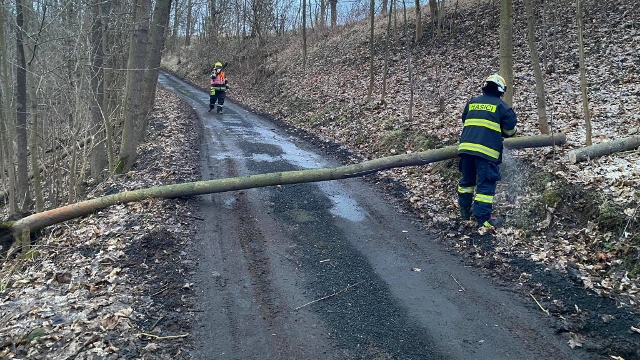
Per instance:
(335,270)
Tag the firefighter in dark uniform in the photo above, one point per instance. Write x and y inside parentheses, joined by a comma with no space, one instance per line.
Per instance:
(219,87)
(487,119)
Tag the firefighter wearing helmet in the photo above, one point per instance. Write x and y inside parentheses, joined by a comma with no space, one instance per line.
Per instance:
(486,119)
(219,87)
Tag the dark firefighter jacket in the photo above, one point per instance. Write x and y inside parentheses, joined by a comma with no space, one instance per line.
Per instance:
(487,119)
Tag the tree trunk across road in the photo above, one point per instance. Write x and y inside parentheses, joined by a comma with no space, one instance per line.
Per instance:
(43,219)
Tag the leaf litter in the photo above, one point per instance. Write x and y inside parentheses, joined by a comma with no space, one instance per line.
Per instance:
(111,285)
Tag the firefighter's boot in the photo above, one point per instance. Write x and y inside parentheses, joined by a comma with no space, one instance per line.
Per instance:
(492,223)
(465,213)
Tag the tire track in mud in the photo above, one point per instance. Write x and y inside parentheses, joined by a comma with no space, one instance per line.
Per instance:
(252,242)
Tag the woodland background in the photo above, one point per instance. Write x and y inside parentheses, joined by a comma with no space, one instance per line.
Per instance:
(368,78)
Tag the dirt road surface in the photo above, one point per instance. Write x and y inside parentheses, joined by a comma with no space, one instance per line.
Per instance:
(335,270)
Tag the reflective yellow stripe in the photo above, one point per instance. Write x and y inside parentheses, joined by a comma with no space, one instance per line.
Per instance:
(483,122)
(510,132)
(484,198)
(480,149)
(465,190)
(486,107)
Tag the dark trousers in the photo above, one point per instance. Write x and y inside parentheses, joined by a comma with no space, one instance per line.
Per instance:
(216,96)
(481,174)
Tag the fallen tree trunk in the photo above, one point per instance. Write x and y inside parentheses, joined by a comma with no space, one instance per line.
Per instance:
(535,141)
(41,220)
(607,148)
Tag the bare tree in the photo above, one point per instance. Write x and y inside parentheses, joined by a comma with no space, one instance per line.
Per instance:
(159,22)
(371,47)
(134,113)
(304,34)
(418,21)
(97,131)
(453,20)
(6,118)
(189,25)
(34,144)
(535,62)
(386,55)
(409,66)
(440,19)
(583,76)
(322,21)
(506,47)
(214,11)
(334,12)
(111,81)
(433,9)
(22,142)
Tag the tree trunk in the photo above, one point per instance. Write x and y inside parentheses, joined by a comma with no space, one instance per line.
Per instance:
(607,148)
(133,108)
(213,16)
(160,22)
(394,5)
(34,143)
(175,26)
(24,197)
(506,47)
(41,220)
(34,134)
(334,13)
(110,81)
(554,25)
(6,119)
(386,57)
(535,62)
(323,14)
(187,37)
(98,154)
(583,76)
(372,5)
(409,65)
(433,9)
(418,21)
(440,18)
(304,35)
(453,20)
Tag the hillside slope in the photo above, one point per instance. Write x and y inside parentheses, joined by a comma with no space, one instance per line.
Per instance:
(581,220)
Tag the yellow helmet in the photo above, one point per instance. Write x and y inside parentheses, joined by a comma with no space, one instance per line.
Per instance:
(498,80)
(218,64)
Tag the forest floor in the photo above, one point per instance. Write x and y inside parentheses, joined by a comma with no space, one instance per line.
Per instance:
(114,284)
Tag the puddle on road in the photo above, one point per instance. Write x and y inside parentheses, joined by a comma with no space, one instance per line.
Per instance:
(343,205)
(265,158)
